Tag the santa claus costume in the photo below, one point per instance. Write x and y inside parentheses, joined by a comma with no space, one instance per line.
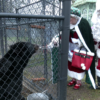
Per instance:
(74,43)
(96,35)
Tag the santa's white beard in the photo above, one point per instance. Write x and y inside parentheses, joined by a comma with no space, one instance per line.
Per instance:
(96,18)
(96,26)
(96,32)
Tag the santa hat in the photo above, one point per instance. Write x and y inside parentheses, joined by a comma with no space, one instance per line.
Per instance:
(75,12)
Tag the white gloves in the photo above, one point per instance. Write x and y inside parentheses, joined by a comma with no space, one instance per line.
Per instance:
(77,41)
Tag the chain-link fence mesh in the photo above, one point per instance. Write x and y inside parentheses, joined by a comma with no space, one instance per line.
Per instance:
(39,72)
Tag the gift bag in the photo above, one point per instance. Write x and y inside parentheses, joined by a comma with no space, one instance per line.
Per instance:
(82,59)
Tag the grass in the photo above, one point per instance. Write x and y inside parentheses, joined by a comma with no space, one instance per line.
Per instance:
(38,60)
(84,93)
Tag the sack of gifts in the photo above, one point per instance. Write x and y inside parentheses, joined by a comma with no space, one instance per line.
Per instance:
(82,59)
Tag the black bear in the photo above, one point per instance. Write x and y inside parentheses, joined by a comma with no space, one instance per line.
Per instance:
(12,65)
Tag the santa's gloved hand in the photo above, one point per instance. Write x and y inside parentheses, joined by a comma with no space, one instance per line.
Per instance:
(77,41)
(80,43)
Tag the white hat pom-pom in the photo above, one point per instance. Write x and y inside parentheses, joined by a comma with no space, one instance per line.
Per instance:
(83,66)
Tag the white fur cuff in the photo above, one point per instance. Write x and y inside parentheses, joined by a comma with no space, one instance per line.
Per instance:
(76,75)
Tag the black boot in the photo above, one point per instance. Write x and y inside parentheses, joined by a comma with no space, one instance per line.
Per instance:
(98,81)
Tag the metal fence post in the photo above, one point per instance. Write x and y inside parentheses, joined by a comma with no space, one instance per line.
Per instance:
(45,51)
(29,32)
(1,32)
(4,29)
(64,51)
(53,7)
(17,21)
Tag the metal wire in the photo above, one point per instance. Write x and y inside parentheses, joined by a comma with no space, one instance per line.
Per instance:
(22,24)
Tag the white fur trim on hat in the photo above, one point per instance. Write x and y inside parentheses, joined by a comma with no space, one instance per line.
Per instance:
(74,16)
(98,53)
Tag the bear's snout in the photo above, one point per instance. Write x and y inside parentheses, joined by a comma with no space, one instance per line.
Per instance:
(36,47)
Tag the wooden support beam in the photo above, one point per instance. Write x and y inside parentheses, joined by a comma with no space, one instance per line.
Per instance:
(37,26)
(11,28)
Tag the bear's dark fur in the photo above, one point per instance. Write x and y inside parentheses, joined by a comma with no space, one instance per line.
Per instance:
(11,70)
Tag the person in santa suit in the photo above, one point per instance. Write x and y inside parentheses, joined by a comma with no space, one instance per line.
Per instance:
(96,35)
(75,43)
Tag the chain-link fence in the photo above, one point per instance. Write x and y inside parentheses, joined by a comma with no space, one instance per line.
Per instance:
(24,69)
